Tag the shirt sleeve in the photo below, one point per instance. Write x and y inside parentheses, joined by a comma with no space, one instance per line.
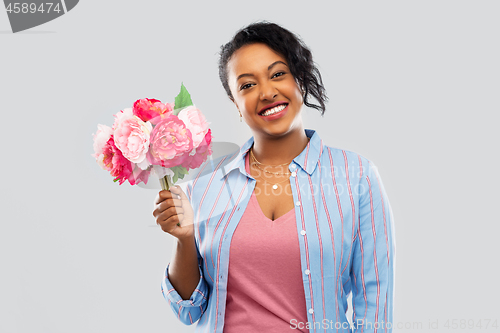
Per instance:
(372,270)
(190,310)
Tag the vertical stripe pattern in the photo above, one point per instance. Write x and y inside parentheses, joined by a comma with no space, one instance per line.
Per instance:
(345,230)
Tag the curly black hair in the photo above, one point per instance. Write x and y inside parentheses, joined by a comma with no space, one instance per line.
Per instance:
(290,46)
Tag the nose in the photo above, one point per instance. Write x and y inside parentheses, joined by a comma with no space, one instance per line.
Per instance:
(268,92)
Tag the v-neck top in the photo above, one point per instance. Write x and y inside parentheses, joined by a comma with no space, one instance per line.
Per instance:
(345,229)
(265,291)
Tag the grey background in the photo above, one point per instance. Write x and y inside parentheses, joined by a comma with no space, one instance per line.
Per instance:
(414,86)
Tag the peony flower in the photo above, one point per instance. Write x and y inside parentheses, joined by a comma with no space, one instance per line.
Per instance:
(171,143)
(149,109)
(195,121)
(100,139)
(138,175)
(201,153)
(114,161)
(131,135)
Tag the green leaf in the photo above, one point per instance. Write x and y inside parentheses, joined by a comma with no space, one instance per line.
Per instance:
(179,172)
(182,100)
(115,180)
(182,172)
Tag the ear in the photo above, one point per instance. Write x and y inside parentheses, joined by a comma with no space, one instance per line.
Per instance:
(301,87)
(232,100)
(303,93)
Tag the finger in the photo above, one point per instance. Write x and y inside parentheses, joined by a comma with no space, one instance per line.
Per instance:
(176,203)
(174,210)
(171,223)
(162,196)
(171,211)
(165,205)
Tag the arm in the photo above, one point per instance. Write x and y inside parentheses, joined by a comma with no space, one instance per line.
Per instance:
(372,270)
(188,308)
(183,271)
(183,285)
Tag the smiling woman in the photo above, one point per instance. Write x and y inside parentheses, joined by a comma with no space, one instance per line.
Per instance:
(287,230)
(268,98)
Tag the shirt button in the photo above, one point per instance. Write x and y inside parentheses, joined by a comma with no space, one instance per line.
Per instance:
(307,272)
(293,166)
(294,174)
(297,203)
(311,311)
(302,232)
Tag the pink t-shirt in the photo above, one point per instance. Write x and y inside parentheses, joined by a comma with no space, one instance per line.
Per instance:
(265,292)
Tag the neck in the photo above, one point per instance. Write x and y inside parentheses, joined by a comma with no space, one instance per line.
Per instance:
(279,150)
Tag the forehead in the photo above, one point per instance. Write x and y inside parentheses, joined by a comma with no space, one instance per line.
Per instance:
(252,58)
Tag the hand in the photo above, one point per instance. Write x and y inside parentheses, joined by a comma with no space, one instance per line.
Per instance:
(174,214)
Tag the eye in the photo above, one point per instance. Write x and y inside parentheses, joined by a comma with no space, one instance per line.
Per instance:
(246,86)
(278,74)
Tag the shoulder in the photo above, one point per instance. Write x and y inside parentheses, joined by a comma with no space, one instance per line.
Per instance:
(210,171)
(346,157)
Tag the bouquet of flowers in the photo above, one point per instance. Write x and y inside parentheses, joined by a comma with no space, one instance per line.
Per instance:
(165,139)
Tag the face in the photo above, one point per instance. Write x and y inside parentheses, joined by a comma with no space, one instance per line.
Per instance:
(260,82)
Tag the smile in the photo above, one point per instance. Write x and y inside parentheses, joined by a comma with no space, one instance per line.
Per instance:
(274,112)
(273,108)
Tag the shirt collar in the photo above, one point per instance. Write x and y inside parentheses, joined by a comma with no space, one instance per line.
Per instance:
(307,159)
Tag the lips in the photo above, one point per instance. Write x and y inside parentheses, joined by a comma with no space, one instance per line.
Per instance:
(270,106)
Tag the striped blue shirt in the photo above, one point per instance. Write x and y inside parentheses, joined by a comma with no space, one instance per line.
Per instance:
(346,235)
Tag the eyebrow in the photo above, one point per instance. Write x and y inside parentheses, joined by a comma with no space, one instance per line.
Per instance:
(268,68)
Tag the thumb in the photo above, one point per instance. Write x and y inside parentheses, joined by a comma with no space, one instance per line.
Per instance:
(178,190)
(186,204)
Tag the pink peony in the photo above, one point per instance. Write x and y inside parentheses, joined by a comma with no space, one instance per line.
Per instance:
(195,121)
(100,139)
(171,143)
(114,161)
(138,175)
(201,153)
(149,109)
(131,136)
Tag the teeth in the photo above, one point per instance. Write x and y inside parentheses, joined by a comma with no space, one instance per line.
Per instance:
(274,110)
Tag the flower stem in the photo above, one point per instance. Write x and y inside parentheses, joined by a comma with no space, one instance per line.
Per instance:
(166,182)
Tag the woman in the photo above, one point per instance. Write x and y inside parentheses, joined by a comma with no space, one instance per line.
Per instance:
(278,235)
